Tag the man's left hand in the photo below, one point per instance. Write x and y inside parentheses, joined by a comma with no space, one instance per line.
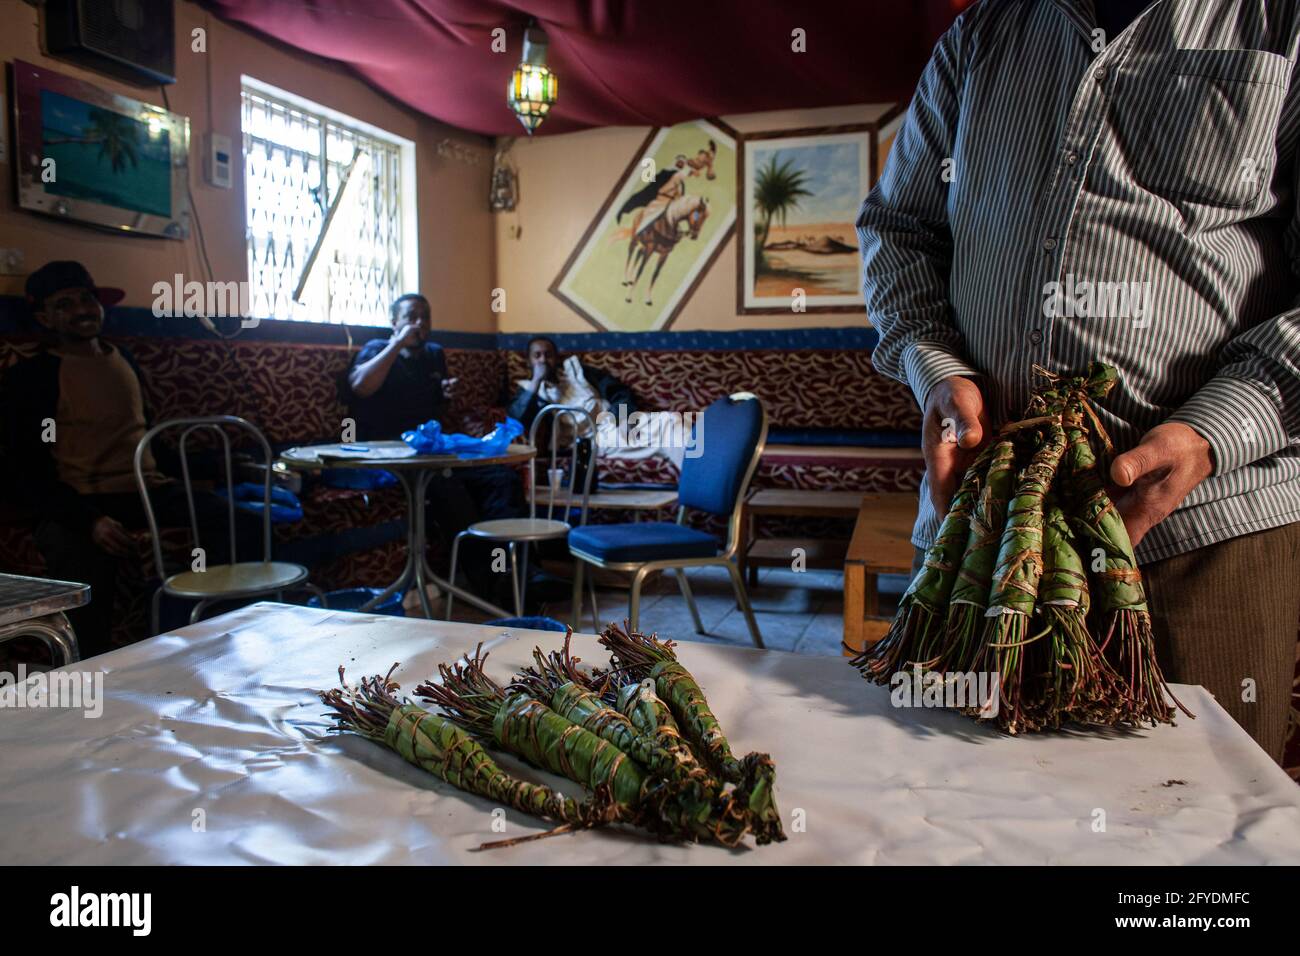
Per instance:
(1158,474)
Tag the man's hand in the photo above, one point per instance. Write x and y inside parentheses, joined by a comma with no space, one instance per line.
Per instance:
(539,373)
(954,430)
(1158,474)
(408,337)
(109,535)
(449,387)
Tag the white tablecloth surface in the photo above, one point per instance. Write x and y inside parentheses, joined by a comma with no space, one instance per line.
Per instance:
(220,718)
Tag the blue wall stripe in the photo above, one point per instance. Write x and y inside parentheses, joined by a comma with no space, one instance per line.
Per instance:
(131,320)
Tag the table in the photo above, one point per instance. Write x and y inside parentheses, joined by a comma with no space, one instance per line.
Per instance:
(793,502)
(414,474)
(220,716)
(33,607)
(881,544)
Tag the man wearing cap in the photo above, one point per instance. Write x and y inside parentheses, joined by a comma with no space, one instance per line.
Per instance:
(73,415)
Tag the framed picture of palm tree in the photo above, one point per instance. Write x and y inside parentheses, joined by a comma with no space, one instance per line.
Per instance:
(798,195)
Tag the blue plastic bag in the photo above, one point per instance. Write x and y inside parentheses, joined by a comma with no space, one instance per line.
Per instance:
(285,506)
(428,439)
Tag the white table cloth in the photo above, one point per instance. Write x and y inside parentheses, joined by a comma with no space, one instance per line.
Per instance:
(217,724)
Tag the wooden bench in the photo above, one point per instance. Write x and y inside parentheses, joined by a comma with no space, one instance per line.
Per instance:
(881,544)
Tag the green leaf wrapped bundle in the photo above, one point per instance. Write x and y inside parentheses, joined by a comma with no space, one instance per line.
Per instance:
(1119,598)
(923,608)
(526,727)
(641,657)
(435,744)
(549,683)
(1015,579)
(970,591)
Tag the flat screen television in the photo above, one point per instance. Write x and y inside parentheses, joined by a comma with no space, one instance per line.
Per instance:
(91,156)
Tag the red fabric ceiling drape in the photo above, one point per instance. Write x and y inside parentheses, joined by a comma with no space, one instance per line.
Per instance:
(636,62)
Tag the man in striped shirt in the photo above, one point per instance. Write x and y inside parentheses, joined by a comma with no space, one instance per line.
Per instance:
(1112,180)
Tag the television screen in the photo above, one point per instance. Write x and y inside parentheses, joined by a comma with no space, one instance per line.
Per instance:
(106,156)
(86,154)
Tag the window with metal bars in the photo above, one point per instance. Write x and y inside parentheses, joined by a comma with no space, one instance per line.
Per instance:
(324,200)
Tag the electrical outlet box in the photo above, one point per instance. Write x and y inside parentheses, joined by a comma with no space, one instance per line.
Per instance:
(11,262)
(217,160)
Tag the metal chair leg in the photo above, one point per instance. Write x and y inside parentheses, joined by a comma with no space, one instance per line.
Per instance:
(578,564)
(523,576)
(634,599)
(155,612)
(742,598)
(199,608)
(513,568)
(451,575)
(595,603)
(685,586)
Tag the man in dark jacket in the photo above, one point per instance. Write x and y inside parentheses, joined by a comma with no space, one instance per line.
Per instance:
(548,383)
(73,416)
(400,382)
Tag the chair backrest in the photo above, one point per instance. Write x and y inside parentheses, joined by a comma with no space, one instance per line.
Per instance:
(729,435)
(188,426)
(561,497)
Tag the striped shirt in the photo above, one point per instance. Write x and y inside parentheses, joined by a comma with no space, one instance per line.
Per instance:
(1055,196)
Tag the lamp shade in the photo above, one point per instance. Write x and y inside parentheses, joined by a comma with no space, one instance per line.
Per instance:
(533,87)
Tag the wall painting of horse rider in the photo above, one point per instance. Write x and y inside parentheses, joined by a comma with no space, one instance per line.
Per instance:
(658,232)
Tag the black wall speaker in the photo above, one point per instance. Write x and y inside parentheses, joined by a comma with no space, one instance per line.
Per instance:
(132,40)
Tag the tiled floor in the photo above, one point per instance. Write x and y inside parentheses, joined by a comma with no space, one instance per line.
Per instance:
(801,612)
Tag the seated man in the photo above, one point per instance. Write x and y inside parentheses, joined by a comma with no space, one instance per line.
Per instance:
(621,430)
(400,382)
(73,415)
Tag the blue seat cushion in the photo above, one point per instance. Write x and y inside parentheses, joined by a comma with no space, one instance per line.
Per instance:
(642,541)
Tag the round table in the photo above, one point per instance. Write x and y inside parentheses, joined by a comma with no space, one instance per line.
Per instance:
(414,473)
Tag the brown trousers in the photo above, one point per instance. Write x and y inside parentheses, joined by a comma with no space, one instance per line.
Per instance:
(1226,617)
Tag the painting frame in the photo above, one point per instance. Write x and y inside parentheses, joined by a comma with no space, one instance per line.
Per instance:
(560,285)
(871,133)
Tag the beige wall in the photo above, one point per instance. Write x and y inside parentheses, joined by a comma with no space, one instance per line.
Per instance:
(562,182)
(455,232)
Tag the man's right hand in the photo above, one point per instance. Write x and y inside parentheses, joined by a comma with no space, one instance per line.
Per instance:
(539,372)
(408,337)
(955,428)
(109,535)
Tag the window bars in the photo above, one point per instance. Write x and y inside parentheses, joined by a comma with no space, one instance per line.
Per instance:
(321,248)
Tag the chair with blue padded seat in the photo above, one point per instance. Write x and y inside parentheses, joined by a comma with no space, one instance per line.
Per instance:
(732,433)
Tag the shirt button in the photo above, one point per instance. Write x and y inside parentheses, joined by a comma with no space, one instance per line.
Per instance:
(1071,158)
(1049,243)
(1036,337)
(1099,74)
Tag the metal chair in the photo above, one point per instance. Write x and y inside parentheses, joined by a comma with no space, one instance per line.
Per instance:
(223,582)
(519,533)
(733,431)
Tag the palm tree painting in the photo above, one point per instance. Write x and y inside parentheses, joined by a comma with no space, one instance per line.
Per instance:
(802,190)
(777,190)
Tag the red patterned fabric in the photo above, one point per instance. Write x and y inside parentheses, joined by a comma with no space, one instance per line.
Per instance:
(801,388)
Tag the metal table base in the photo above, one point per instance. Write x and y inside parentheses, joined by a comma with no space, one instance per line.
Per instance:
(416,571)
